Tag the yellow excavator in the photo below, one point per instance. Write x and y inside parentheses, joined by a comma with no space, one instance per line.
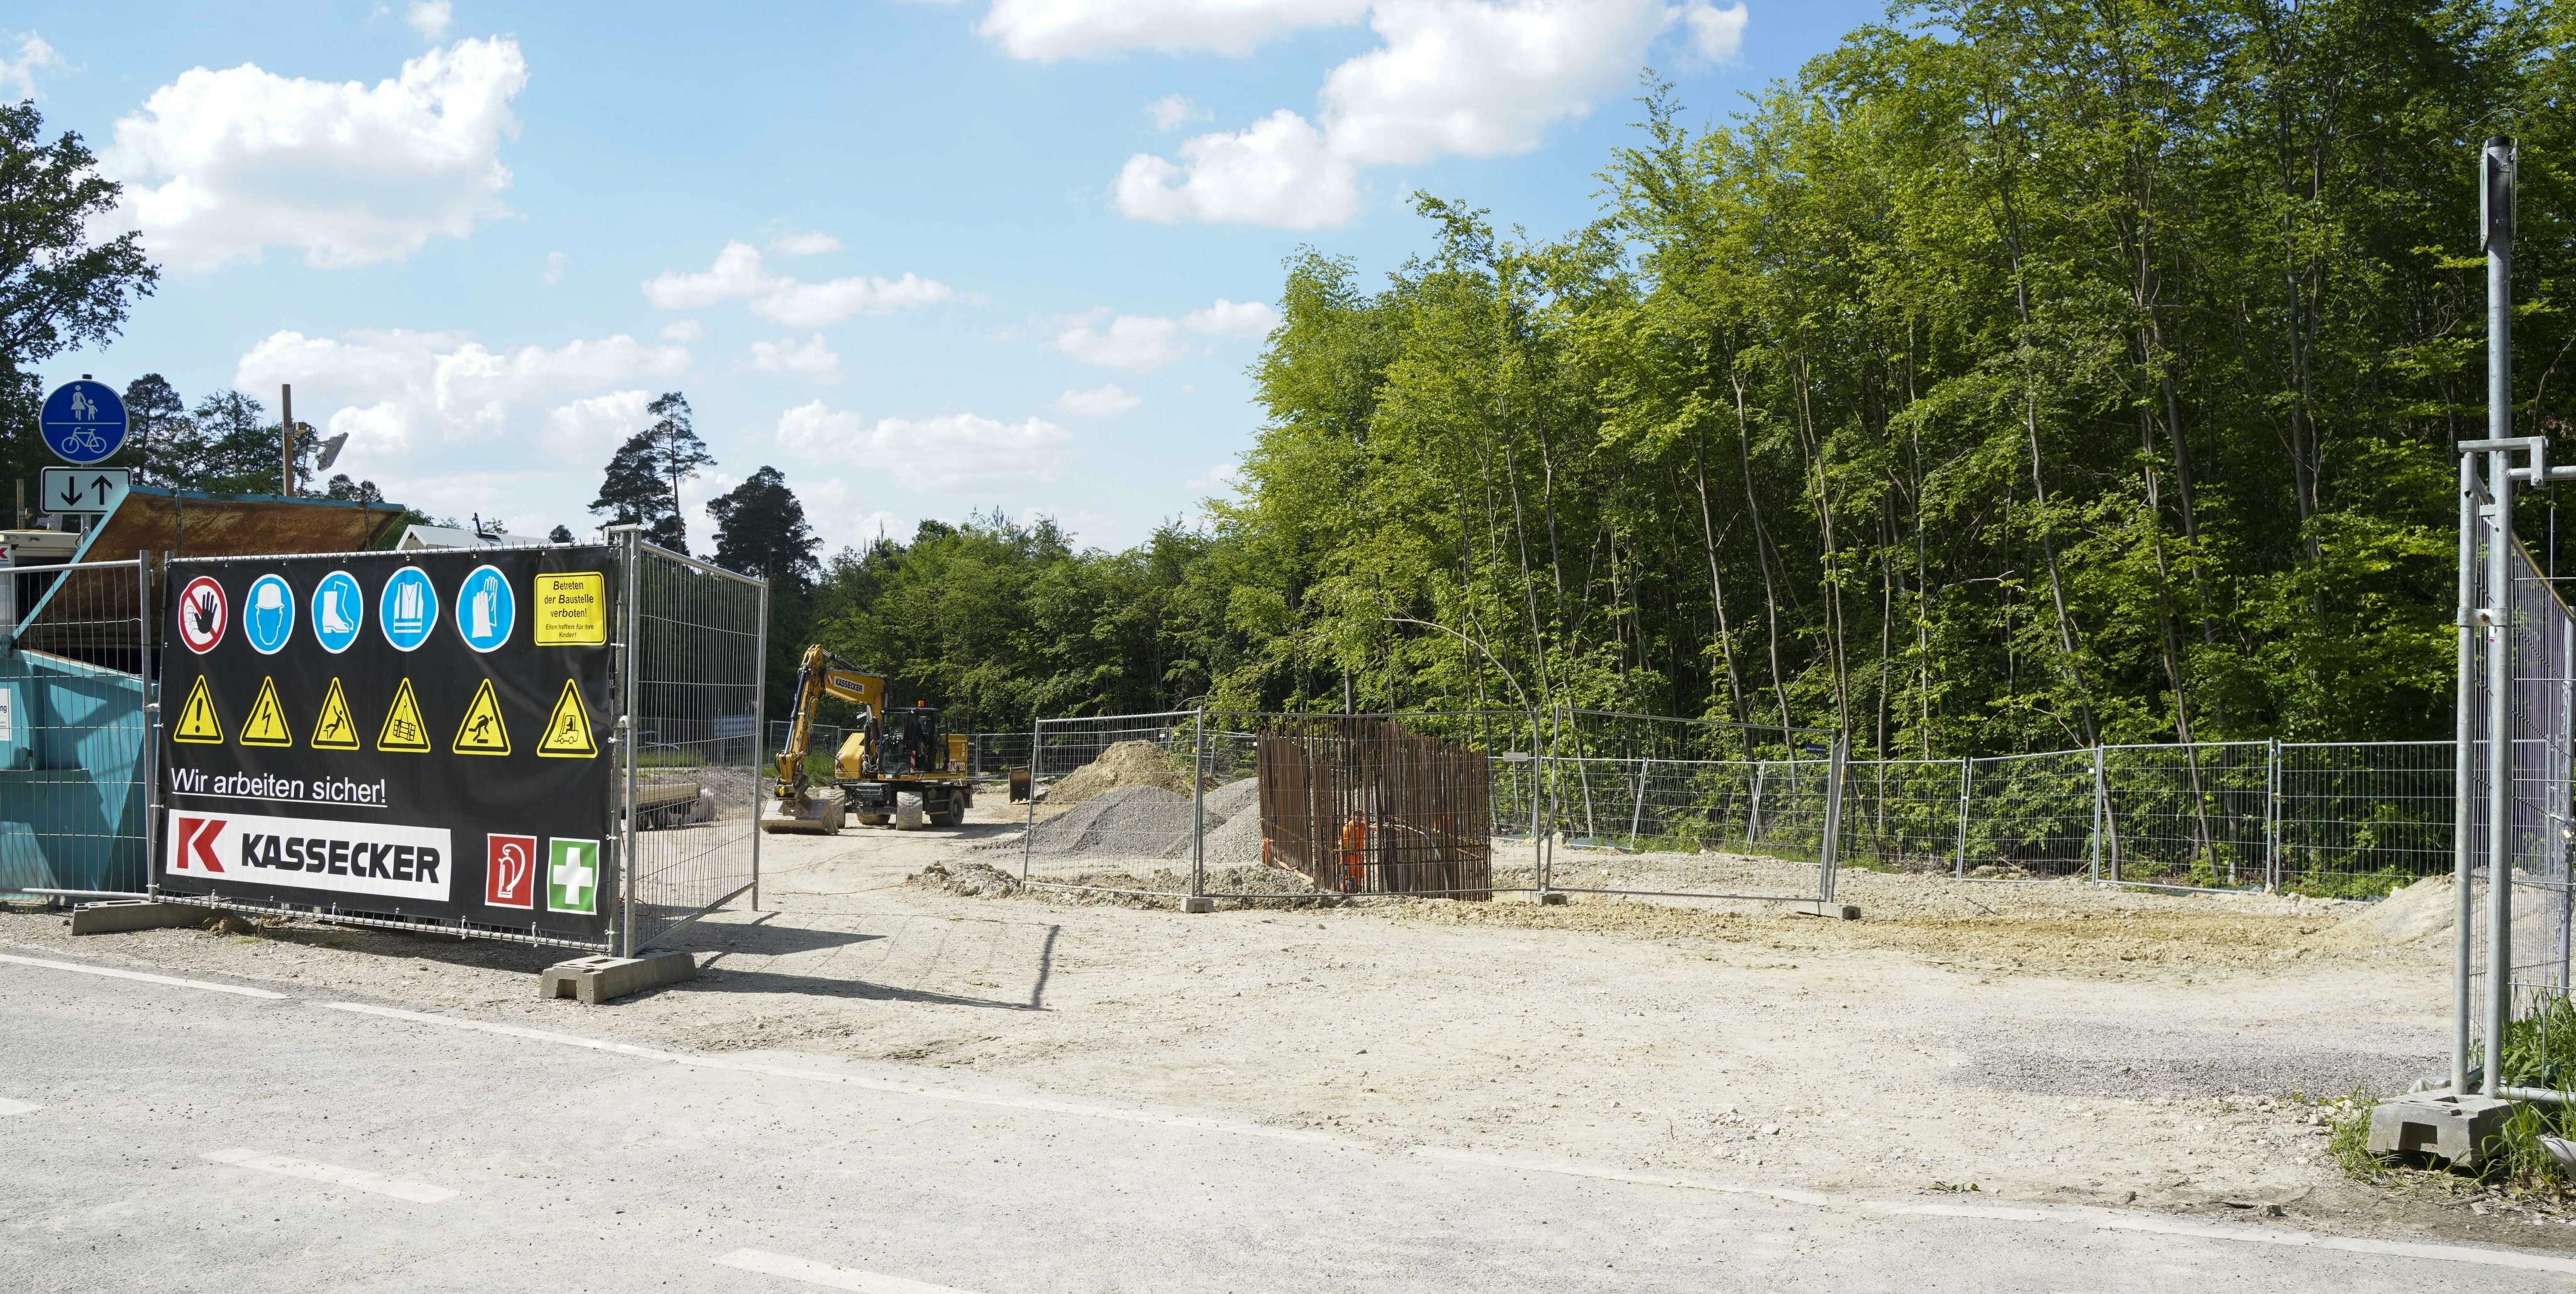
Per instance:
(895,766)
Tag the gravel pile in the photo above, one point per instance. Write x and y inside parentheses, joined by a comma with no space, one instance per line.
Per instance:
(1147,822)
(1126,764)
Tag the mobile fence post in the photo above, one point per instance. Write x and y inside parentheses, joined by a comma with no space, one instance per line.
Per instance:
(1036,725)
(1830,857)
(759,729)
(631,557)
(2272,821)
(2464,729)
(2096,870)
(1198,809)
(147,686)
(1960,869)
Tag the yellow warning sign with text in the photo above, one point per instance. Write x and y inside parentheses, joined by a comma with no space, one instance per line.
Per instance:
(267,723)
(335,730)
(197,722)
(403,729)
(568,728)
(572,610)
(482,732)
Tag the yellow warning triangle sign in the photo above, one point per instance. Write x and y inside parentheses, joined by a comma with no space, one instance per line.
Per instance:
(403,729)
(482,732)
(335,730)
(267,723)
(568,728)
(197,721)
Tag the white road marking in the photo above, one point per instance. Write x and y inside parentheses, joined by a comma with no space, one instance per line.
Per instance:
(828,1275)
(357,1178)
(173,980)
(9,1107)
(2102,1219)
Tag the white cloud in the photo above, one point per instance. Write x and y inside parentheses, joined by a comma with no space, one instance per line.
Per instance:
(953,453)
(1718,34)
(1144,343)
(1280,171)
(737,274)
(431,17)
(18,75)
(1098,402)
(1052,29)
(811,358)
(812,242)
(683,331)
(1472,78)
(413,399)
(219,165)
(1173,111)
(555,264)
(1232,319)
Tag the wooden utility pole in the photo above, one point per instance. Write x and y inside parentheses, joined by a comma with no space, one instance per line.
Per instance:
(285,440)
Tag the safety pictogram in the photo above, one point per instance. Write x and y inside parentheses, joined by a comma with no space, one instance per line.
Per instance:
(403,729)
(482,732)
(572,875)
(568,728)
(197,722)
(510,871)
(267,723)
(335,730)
(202,614)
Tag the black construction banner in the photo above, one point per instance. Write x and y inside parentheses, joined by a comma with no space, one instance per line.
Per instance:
(417,735)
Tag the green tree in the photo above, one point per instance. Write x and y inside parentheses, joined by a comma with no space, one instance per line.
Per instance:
(642,484)
(761,530)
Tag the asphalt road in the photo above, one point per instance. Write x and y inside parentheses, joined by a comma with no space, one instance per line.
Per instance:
(166,1134)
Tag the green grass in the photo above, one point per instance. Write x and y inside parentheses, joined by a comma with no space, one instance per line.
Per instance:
(2539,1051)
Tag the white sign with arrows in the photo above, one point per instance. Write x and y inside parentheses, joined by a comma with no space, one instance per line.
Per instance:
(83,489)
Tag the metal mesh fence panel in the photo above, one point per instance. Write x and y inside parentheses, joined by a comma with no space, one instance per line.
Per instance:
(1114,804)
(2193,815)
(993,754)
(689,769)
(2030,816)
(2355,820)
(76,739)
(1904,814)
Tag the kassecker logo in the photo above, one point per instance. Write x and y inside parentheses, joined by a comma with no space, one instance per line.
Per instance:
(309,853)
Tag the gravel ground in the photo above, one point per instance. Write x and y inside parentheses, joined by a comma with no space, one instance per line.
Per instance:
(2048,1042)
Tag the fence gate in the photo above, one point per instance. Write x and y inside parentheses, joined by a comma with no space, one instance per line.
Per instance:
(76,751)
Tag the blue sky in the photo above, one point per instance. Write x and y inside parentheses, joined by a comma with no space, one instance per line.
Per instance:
(923,258)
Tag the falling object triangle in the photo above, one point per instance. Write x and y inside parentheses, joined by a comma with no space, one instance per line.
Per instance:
(335,730)
(267,723)
(568,728)
(197,721)
(403,729)
(482,732)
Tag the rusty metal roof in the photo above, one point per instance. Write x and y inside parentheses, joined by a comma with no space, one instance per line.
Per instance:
(191,523)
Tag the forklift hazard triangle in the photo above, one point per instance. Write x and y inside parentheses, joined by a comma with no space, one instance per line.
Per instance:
(403,729)
(568,728)
(335,730)
(482,732)
(197,722)
(267,723)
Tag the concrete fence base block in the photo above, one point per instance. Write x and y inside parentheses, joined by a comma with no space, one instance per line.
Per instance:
(2461,1130)
(1553,898)
(593,980)
(133,914)
(1197,903)
(1836,911)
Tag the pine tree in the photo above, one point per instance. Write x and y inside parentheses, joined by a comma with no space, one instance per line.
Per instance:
(642,487)
(761,530)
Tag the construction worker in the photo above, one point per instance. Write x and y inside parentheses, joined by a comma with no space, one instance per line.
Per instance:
(1354,853)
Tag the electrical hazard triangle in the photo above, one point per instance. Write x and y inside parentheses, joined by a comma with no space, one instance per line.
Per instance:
(403,729)
(197,722)
(568,728)
(267,723)
(335,730)
(482,732)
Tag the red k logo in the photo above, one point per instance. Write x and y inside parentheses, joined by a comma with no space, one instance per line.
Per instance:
(197,845)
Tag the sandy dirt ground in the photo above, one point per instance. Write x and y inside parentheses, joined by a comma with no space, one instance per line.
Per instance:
(2047,1042)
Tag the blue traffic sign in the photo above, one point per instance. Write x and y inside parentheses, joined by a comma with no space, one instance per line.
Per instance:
(84,421)
(486,610)
(339,609)
(407,609)
(268,614)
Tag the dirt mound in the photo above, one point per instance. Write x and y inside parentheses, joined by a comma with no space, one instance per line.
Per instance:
(2418,912)
(1128,763)
(972,880)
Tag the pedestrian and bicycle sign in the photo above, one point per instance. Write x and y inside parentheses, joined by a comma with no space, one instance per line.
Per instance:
(83,421)
(82,490)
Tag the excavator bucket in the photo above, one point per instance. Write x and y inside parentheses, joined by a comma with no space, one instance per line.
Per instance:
(818,812)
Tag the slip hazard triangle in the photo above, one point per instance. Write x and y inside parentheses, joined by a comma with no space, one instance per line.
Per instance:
(197,722)
(403,729)
(482,732)
(335,730)
(267,723)
(568,728)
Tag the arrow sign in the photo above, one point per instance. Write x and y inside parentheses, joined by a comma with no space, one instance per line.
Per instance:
(83,489)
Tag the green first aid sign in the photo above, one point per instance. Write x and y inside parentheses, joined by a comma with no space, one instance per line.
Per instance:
(572,875)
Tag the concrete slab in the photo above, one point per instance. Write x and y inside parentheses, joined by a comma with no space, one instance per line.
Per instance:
(2457,1129)
(593,980)
(118,915)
